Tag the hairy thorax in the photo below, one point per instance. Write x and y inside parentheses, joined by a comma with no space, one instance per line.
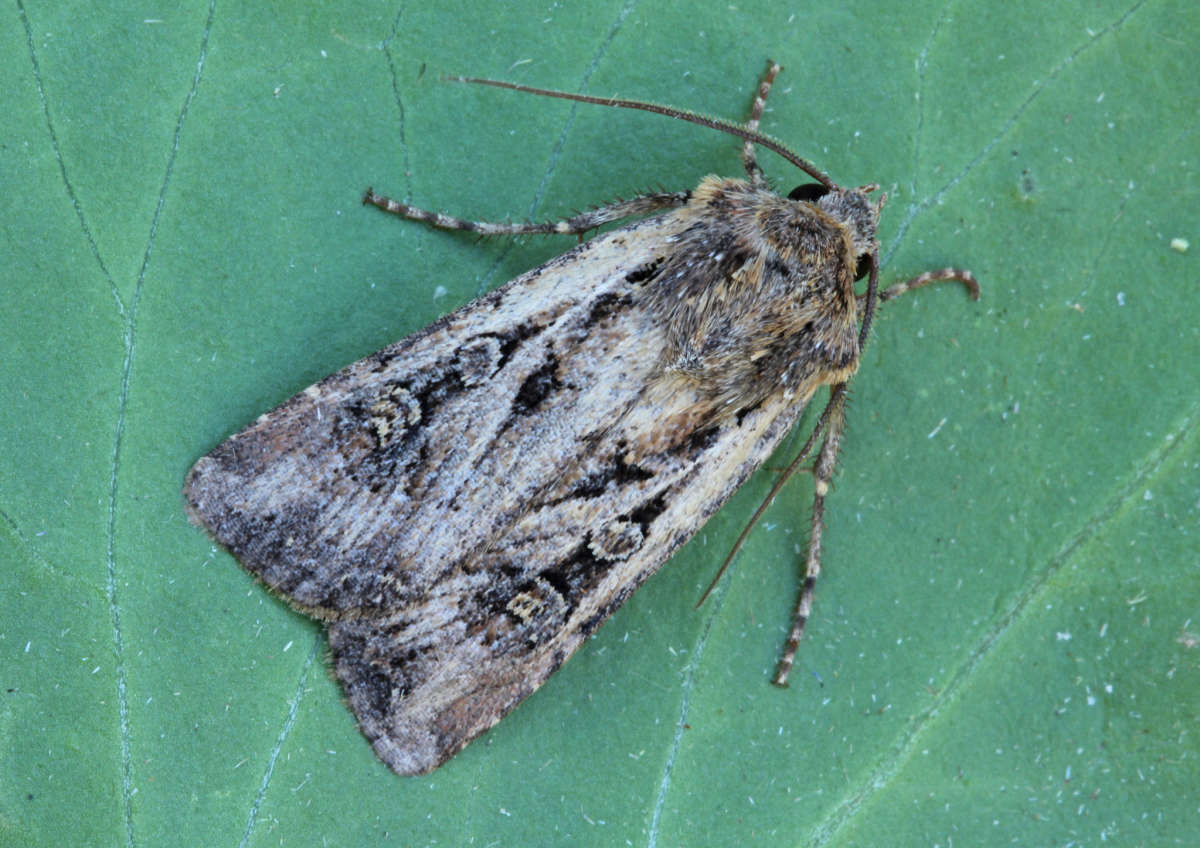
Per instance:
(758,294)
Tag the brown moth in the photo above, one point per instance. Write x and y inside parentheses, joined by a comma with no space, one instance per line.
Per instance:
(465,507)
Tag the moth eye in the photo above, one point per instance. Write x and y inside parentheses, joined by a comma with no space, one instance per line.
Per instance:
(862,267)
(808,192)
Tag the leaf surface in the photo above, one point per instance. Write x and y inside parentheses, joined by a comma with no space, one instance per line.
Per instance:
(1004,646)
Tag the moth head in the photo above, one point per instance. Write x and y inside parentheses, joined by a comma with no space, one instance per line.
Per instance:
(854,210)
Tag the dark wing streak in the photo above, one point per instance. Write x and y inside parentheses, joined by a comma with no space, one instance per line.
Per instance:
(587,475)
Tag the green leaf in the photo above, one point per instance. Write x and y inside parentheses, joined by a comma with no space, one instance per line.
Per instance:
(1004,647)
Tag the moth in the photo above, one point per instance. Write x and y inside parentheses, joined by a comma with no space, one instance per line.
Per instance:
(466,506)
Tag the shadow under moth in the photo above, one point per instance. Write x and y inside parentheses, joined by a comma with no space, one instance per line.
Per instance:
(465,507)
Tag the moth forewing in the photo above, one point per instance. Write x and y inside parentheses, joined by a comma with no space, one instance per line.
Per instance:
(467,505)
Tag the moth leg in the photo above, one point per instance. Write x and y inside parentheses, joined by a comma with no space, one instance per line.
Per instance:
(824,467)
(835,414)
(756,110)
(964,277)
(576,224)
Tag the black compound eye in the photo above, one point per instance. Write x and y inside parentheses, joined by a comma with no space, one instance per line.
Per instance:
(862,267)
(808,192)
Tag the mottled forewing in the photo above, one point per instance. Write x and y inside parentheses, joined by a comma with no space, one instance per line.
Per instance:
(466,506)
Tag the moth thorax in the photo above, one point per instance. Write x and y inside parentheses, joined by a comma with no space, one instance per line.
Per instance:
(853,209)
